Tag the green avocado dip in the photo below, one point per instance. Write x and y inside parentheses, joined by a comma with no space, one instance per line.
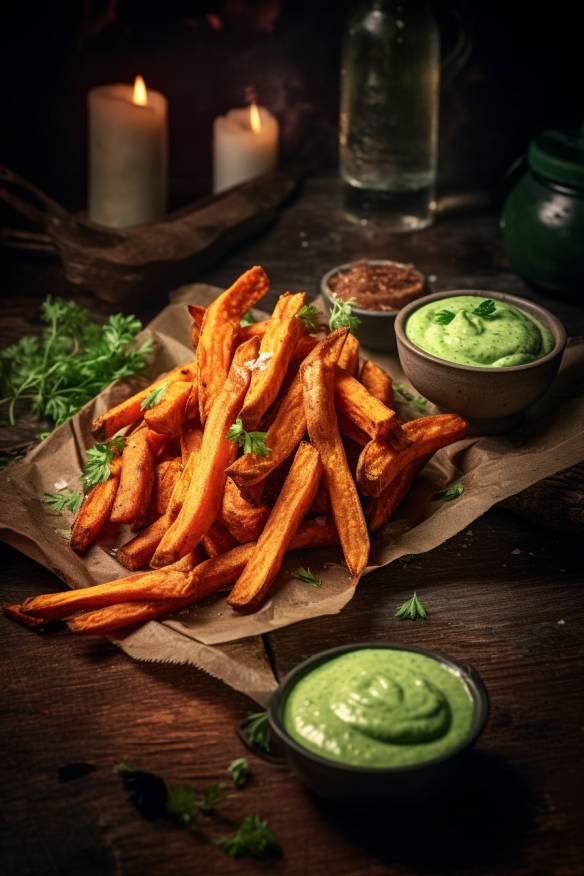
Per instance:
(471,330)
(379,707)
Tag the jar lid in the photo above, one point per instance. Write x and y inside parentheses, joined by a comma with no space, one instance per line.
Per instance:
(559,155)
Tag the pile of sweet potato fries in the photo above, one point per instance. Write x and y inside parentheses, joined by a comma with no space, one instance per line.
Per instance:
(215,503)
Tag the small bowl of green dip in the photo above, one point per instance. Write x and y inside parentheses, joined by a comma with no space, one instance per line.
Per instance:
(377,720)
(485,355)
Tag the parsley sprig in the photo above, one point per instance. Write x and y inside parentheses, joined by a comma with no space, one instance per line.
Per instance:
(251,442)
(257,730)
(66,500)
(411,609)
(443,317)
(55,373)
(449,493)
(487,309)
(155,396)
(247,319)
(183,804)
(309,314)
(306,575)
(253,837)
(98,465)
(342,315)
(238,769)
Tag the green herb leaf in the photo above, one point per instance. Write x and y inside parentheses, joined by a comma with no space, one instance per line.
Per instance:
(251,442)
(253,837)
(66,500)
(212,796)
(342,314)
(238,769)
(486,309)
(417,402)
(248,318)
(155,396)
(99,457)
(52,375)
(309,314)
(181,803)
(443,317)
(257,730)
(306,575)
(449,493)
(411,609)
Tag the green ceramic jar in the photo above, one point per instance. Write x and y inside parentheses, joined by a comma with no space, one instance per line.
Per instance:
(543,217)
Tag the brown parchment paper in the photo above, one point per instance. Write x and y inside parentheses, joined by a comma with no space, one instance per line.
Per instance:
(211,635)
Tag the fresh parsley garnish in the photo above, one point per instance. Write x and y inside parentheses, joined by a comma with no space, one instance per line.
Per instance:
(309,314)
(182,803)
(342,315)
(257,730)
(417,402)
(251,442)
(253,837)
(449,493)
(238,769)
(212,797)
(486,309)
(411,609)
(306,575)
(66,500)
(99,457)
(443,317)
(248,318)
(150,794)
(155,396)
(55,373)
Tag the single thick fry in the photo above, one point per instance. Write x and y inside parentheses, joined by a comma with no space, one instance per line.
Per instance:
(130,410)
(349,358)
(219,334)
(321,418)
(284,521)
(94,514)
(203,497)
(377,381)
(137,553)
(242,519)
(136,479)
(277,348)
(198,314)
(380,462)
(166,475)
(191,439)
(217,541)
(288,427)
(367,413)
(380,509)
(168,416)
(14,612)
(161,584)
(115,617)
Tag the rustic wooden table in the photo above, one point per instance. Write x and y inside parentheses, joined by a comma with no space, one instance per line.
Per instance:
(505,595)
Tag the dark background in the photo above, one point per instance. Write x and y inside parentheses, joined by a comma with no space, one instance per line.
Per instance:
(522,75)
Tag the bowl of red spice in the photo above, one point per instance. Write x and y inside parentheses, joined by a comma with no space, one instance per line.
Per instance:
(376,290)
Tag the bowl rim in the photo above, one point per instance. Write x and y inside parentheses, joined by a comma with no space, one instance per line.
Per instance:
(467,672)
(346,266)
(541,313)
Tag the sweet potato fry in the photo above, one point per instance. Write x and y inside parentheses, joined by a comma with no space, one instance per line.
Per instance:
(137,553)
(380,509)
(288,426)
(136,479)
(166,475)
(14,612)
(349,358)
(355,403)
(322,502)
(321,418)
(317,532)
(380,463)
(161,584)
(284,521)
(219,334)
(253,330)
(168,416)
(130,410)
(242,519)
(217,541)
(305,346)
(198,314)
(202,501)
(114,617)
(377,381)
(191,439)
(94,514)
(276,349)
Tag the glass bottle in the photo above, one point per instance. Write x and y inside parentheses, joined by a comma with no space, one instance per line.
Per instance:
(390,81)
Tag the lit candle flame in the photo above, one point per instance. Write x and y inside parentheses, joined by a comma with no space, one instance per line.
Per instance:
(255,119)
(140,96)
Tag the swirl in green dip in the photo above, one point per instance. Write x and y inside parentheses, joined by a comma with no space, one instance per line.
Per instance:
(379,707)
(507,337)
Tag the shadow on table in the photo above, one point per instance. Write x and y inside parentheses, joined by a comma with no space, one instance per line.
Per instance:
(482,818)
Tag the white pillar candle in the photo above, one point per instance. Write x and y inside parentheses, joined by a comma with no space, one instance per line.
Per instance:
(245,145)
(127,154)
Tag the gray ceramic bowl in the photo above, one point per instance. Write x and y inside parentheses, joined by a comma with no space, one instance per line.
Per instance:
(492,399)
(337,781)
(377,326)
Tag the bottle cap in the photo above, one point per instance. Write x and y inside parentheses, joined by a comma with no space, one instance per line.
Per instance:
(559,156)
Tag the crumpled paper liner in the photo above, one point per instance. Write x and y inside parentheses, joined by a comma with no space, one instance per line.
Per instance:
(209,635)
